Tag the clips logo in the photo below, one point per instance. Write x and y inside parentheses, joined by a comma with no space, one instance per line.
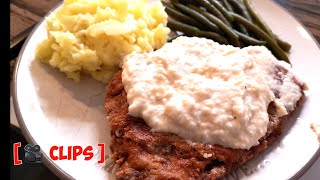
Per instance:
(31,154)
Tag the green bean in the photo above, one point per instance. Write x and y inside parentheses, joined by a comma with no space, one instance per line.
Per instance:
(272,45)
(241,44)
(197,16)
(180,26)
(167,4)
(242,29)
(233,36)
(257,19)
(213,10)
(193,31)
(283,44)
(182,17)
(249,40)
(227,5)
(222,10)
(214,36)
(241,9)
(239,26)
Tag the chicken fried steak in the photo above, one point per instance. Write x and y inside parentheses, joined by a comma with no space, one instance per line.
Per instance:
(142,154)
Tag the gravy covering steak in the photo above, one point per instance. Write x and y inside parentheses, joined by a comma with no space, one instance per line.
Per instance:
(143,153)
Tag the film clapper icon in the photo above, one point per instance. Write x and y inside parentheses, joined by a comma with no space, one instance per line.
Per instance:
(32,153)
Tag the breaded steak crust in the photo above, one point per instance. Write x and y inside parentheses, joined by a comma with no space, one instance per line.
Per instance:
(142,154)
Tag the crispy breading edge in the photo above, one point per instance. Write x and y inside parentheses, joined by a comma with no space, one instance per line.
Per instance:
(133,141)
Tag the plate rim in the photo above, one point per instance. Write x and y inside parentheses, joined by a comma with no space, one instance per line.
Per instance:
(63,174)
(25,131)
(316,155)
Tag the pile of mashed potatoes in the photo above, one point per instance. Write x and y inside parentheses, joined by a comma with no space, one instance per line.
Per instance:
(92,36)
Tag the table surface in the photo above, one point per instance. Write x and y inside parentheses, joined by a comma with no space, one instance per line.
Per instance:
(25,13)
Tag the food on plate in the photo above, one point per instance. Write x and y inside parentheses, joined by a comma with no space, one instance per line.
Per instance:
(196,109)
(86,36)
(228,22)
(316,129)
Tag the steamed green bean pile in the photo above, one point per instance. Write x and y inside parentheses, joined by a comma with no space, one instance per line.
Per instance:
(233,22)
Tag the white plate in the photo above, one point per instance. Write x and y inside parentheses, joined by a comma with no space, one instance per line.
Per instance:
(54,110)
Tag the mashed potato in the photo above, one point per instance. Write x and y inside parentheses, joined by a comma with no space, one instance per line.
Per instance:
(91,36)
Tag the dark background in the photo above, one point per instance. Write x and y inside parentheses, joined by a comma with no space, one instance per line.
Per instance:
(27,170)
